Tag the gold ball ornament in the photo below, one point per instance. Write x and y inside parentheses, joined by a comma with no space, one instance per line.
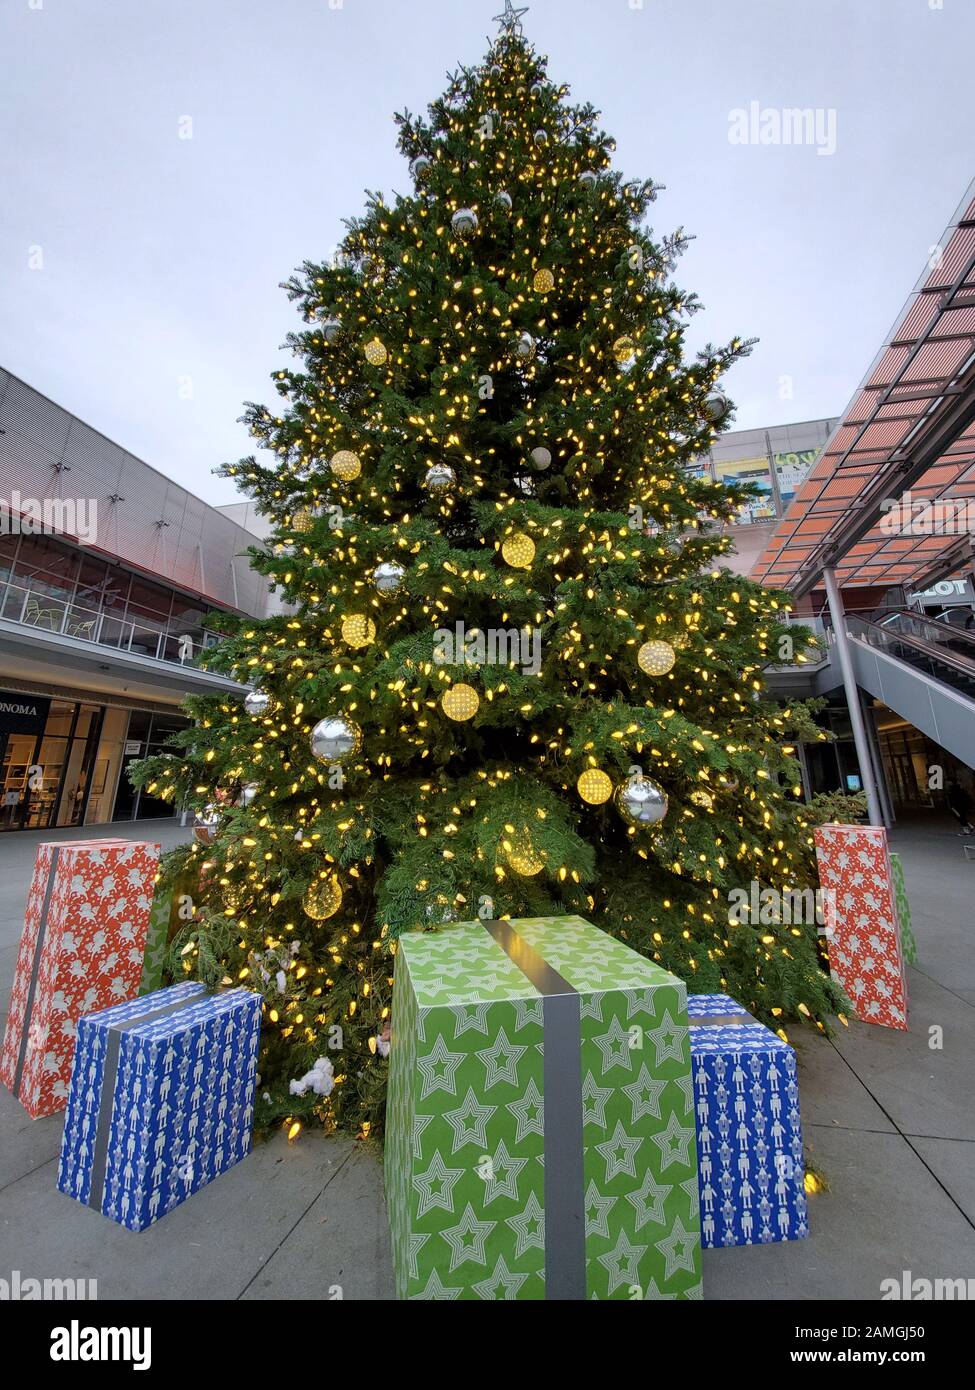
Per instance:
(460,702)
(323,898)
(701,798)
(302,521)
(521,854)
(518,550)
(544,281)
(358,630)
(346,465)
(595,786)
(656,658)
(624,350)
(375,351)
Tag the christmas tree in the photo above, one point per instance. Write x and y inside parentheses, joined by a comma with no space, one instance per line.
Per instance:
(512,677)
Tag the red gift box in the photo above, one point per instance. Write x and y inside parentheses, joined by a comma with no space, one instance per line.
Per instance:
(860,913)
(82,949)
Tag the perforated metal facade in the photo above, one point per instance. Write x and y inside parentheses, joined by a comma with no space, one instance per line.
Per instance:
(143,519)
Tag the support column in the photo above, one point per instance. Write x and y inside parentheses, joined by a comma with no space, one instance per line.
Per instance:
(860,741)
(873,738)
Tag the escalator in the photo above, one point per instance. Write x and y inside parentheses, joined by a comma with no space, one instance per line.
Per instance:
(923,670)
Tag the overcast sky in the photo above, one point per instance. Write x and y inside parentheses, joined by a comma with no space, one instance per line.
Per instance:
(136,266)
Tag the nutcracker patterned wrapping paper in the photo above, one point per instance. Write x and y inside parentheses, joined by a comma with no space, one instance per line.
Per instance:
(540,1126)
(82,949)
(751,1174)
(860,912)
(161,1101)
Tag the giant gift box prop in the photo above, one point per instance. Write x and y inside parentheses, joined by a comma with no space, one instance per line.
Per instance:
(171,911)
(860,913)
(82,948)
(908,941)
(540,1129)
(751,1174)
(162,1100)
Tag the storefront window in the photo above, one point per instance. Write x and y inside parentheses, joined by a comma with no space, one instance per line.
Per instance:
(63,763)
(105,771)
(45,567)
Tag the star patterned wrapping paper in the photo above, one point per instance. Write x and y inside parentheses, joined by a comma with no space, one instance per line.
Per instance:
(82,948)
(908,942)
(751,1174)
(486,1102)
(865,956)
(161,1101)
(169,913)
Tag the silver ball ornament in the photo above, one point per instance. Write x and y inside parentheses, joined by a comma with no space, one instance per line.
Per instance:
(440,477)
(588,177)
(421,166)
(464,221)
(388,578)
(541,457)
(524,348)
(640,801)
(541,137)
(248,793)
(717,406)
(335,739)
(257,703)
(331,328)
(503,199)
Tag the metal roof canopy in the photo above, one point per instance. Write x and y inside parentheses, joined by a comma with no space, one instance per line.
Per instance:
(910,427)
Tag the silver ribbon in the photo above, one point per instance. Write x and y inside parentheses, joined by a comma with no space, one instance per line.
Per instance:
(35,969)
(564,1180)
(106,1098)
(719,1020)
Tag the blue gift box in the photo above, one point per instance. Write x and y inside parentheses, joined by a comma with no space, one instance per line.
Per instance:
(161,1100)
(751,1177)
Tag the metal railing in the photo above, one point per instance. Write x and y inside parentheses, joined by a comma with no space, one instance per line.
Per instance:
(34,608)
(946,654)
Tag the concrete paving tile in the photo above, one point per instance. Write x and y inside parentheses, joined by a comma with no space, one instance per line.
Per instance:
(830,1093)
(26,1143)
(341,1247)
(884,1214)
(953,1162)
(924,1090)
(210,1247)
(941,889)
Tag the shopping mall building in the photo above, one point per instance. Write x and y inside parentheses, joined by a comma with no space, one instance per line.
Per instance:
(867,518)
(107,573)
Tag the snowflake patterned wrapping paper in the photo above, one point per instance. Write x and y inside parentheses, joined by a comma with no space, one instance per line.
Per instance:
(161,1101)
(540,1130)
(865,957)
(82,949)
(908,942)
(749,1135)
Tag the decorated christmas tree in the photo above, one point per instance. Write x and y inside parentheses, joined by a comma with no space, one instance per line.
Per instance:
(512,676)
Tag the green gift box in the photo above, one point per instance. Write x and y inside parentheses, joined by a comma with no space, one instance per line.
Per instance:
(908,942)
(166,916)
(540,1125)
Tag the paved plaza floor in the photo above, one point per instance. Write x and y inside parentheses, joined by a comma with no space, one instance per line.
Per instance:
(888,1118)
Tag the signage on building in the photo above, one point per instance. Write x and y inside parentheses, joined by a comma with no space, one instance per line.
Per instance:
(947,593)
(22,714)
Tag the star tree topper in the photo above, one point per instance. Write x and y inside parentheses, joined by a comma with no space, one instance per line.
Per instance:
(510,20)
